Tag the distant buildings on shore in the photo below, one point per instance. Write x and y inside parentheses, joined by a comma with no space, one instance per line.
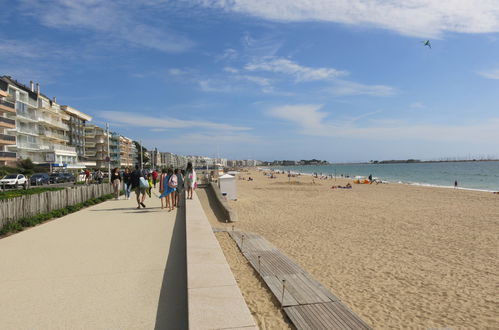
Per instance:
(296,162)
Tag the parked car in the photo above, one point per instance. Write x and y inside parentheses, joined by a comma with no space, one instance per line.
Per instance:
(13,180)
(39,179)
(57,178)
(68,177)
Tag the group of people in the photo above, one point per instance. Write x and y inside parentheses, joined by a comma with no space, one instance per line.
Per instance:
(172,183)
(97,176)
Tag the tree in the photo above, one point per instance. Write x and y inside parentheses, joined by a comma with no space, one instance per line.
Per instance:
(26,166)
(145,157)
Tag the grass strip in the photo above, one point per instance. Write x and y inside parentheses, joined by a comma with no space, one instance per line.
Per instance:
(19,225)
(21,192)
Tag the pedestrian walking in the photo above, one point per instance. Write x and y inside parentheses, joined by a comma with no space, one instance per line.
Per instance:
(155,175)
(190,180)
(169,186)
(127,183)
(180,186)
(116,181)
(139,186)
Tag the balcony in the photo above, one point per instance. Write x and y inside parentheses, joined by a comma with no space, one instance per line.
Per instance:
(7,123)
(54,123)
(7,106)
(7,156)
(54,136)
(23,115)
(7,139)
(28,145)
(3,93)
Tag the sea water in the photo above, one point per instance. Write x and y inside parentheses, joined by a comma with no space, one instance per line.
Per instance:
(476,175)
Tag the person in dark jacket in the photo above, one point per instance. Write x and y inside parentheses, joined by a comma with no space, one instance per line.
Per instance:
(140,192)
(116,181)
(127,183)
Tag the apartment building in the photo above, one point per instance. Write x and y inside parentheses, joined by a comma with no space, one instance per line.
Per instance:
(96,145)
(114,150)
(126,152)
(76,123)
(6,157)
(40,133)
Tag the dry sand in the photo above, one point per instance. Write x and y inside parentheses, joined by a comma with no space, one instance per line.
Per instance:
(400,256)
(262,304)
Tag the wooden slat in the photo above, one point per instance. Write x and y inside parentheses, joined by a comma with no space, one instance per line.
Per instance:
(308,304)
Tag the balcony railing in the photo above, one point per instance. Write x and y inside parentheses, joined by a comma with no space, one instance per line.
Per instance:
(7,137)
(5,154)
(53,122)
(27,145)
(8,121)
(27,115)
(8,104)
(54,135)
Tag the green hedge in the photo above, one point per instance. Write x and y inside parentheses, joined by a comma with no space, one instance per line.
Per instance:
(21,192)
(19,225)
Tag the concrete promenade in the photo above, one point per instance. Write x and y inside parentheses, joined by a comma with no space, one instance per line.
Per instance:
(109,266)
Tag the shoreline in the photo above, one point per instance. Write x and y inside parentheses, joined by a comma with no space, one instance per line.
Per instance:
(408,183)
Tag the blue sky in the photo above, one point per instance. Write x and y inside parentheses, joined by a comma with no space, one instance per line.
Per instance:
(262,79)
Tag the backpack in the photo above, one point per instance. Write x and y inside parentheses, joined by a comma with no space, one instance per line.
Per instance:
(172,183)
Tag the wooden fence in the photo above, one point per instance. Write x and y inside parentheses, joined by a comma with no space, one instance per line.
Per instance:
(30,205)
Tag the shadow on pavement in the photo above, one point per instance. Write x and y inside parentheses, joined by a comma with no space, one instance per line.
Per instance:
(172,305)
(127,209)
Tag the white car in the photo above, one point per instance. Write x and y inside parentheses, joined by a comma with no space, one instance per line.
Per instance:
(13,180)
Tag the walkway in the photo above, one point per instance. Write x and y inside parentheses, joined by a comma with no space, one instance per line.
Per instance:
(109,266)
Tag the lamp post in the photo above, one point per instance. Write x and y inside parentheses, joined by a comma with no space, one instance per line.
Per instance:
(141,164)
(108,154)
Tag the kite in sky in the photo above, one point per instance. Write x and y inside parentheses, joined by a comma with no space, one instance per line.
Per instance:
(426,43)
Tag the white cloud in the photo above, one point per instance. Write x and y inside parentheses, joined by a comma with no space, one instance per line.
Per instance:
(165,123)
(286,66)
(228,54)
(231,69)
(110,20)
(349,88)
(422,18)
(312,121)
(492,74)
(417,105)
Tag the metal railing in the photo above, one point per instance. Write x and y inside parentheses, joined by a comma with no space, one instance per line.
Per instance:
(7,120)
(8,104)
(7,137)
(5,154)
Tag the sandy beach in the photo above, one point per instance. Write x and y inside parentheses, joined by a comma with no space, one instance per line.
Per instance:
(400,256)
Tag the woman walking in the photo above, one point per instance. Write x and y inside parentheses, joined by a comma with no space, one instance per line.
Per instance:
(190,180)
(180,186)
(127,183)
(116,180)
(169,186)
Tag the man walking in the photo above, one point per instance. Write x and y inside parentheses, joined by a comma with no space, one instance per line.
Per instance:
(140,192)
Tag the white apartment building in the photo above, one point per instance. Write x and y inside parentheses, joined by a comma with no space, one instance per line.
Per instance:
(41,131)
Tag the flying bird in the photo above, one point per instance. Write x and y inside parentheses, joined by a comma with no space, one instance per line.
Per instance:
(426,43)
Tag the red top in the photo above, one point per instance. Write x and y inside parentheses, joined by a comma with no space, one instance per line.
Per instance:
(154,175)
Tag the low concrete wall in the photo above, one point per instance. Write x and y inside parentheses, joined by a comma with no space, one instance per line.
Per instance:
(214,298)
(229,213)
(31,205)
